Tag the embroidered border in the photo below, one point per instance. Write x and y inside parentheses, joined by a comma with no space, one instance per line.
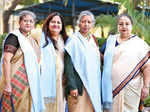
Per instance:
(133,74)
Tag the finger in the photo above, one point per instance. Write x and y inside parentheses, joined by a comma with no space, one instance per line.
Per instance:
(144,96)
(6,92)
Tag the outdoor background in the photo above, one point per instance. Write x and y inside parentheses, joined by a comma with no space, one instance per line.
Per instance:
(105,13)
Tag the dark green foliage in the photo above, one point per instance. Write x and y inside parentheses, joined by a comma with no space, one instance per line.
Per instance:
(147,102)
(100,41)
(1,42)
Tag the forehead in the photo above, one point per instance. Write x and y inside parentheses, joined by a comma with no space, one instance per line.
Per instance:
(87,17)
(27,17)
(56,18)
(124,19)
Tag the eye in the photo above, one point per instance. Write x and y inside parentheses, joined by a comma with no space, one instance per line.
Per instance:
(52,22)
(89,22)
(83,21)
(120,24)
(59,22)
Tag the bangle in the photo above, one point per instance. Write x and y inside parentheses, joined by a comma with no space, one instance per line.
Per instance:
(147,86)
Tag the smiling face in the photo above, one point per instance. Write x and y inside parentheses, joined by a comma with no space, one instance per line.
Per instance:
(55,26)
(124,26)
(85,24)
(26,24)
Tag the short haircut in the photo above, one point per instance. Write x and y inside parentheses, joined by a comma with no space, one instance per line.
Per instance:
(125,15)
(85,13)
(26,12)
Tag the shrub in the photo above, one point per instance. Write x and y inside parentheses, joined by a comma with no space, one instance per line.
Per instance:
(1,42)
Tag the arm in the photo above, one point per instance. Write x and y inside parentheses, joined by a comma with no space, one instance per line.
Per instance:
(7,70)
(69,74)
(146,79)
(10,47)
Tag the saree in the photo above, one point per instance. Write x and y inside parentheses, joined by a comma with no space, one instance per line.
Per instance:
(82,51)
(127,55)
(23,95)
(54,98)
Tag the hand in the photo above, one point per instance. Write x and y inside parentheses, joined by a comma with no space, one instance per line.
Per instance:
(107,110)
(144,92)
(74,93)
(7,89)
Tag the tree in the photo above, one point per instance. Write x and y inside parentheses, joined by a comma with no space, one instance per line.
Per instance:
(7,11)
(6,14)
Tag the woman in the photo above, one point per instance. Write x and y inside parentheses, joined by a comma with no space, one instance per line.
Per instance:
(52,48)
(19,67)
(126,59)
(82,68)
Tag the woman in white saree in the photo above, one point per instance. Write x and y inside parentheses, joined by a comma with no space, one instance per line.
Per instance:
(126,58)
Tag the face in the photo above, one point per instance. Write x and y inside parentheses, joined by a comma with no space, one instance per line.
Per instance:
(26,24)
(124,26)
(55,25)
(85,24)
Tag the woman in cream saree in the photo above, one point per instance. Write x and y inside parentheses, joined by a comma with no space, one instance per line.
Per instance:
(126,58)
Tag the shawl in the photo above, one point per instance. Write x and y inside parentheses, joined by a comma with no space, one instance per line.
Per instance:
(33,71)
(107,70)
(48,68)
(87,64)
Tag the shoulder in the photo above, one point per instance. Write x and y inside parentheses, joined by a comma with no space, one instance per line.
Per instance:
(11,39)
(142,43)
(36,35)
(72,39)
(113,36)
(11,36)
(139,40)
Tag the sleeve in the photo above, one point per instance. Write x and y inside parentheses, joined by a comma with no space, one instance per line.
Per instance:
(11,44)
(69,72)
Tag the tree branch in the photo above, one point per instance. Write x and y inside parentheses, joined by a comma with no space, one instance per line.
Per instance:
(14,4)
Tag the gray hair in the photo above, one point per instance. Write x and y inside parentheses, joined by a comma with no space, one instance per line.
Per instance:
(85,13)
(26,12)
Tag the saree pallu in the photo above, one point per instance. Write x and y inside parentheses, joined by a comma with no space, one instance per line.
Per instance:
(20,87)
(126,56)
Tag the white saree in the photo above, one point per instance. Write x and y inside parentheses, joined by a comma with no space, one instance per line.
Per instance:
(126,56)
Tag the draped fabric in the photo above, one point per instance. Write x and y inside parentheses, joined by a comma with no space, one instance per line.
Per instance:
(86,61)
(126,56)
(48,69)
(52,67)
(25,68)
(107,70)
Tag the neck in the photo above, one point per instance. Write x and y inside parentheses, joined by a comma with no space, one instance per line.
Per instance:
(84,34)
(24,33)
(55,37)
(125,37)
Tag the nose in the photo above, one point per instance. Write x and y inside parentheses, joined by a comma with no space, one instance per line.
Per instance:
(124,25)
(86,23)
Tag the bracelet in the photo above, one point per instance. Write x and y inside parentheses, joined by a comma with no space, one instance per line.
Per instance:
(147,86)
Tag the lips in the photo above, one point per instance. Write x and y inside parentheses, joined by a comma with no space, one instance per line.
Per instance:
(123,30)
